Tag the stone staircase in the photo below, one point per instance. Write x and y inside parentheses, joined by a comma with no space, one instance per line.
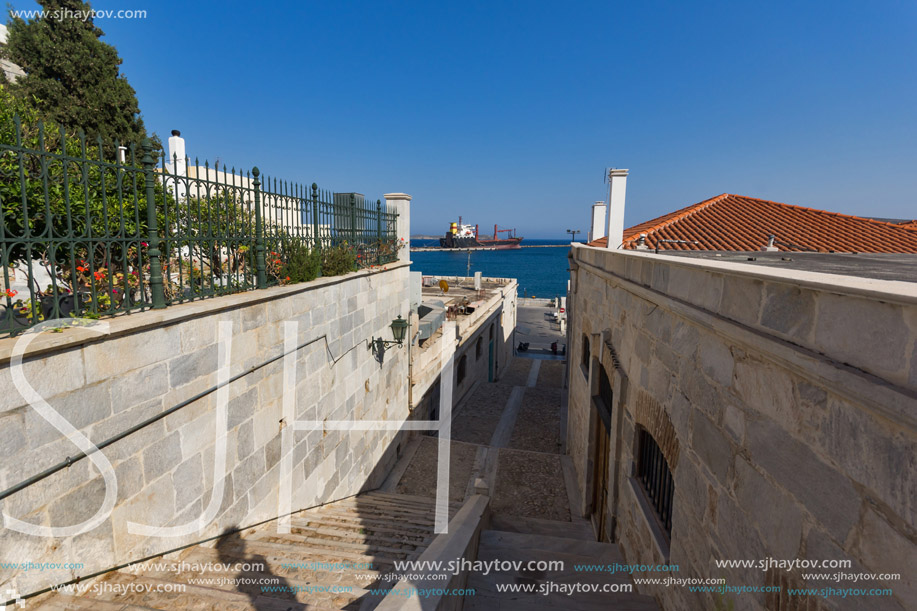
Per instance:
(375,527)
(549,540)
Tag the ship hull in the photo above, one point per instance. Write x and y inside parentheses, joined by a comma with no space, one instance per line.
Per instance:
(450,241)
(501,244)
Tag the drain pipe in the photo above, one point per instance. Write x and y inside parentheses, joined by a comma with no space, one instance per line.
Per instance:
(410,364)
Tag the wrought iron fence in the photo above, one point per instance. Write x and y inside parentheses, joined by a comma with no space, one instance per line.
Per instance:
(95,230)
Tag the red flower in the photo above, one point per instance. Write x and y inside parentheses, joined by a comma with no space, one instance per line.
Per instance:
(10,293)
(80,268)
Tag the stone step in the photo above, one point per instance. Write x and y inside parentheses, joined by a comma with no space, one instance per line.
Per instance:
(141,591)
(303,553)
(403,498)
(392,499)
(374,513)
(225,579)
(485,588)
(358,520)
(65,602)
(515,546)
(213,598)
(365,534)
(493,542)
(613,602)
(285,567)
(535,526)
(396,549)
(491,603)
(376,528)
(569,574)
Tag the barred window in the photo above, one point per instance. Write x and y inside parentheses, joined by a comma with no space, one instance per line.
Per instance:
(656,479)
(461,369)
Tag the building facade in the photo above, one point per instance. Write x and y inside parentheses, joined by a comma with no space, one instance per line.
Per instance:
(724,411)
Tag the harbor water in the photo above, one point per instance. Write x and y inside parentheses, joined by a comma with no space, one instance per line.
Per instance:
(541,272)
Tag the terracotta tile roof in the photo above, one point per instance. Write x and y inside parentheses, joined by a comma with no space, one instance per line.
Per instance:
(738,223)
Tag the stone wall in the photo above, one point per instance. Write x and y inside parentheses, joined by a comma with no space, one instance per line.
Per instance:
(151,361)
(494,320)
(784,403)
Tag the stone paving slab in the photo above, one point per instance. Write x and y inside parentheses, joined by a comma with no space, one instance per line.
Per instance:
(530,484)
(478,419)
(420,477)
(538,424)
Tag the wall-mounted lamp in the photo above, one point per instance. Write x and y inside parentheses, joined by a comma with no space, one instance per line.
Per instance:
(399,327)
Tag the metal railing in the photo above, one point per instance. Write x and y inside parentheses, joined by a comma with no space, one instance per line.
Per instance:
(91,230)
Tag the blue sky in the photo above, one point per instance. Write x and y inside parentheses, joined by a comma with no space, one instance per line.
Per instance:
(509,112)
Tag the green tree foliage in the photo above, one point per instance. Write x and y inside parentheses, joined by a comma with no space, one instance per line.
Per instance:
(82,217)
(44,197)
(72,77)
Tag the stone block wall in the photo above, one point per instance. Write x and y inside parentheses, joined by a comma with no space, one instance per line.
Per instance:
(785,404)
(151,361)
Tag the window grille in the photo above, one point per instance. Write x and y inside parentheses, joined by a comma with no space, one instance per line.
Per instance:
(656,479)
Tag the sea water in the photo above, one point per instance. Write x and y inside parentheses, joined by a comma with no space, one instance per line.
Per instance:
(541,272)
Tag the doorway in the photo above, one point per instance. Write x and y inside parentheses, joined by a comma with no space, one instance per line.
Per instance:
(601,458)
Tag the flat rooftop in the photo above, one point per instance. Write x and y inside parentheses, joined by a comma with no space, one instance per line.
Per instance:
(461,290)
(900,267)
(460,302)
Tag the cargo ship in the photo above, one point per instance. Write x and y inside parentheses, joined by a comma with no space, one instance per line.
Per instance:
(466,236)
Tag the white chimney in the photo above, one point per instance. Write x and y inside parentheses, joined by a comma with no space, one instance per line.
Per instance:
(617,187)
(176,163)
(597,227)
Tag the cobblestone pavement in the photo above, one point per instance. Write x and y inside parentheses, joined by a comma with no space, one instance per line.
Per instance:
(526,478)
(419,478)
(517,373)
(538,424)
(551,374)
(476,421)
(531,485)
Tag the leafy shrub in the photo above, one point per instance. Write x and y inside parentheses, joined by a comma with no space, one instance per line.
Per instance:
(302,263)
(338,260)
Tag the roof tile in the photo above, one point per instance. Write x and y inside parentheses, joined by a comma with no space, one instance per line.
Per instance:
(738,223)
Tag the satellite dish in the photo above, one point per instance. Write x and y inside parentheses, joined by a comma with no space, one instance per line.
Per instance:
(444,286)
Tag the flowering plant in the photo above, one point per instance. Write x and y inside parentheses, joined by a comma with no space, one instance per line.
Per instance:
(29,309)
